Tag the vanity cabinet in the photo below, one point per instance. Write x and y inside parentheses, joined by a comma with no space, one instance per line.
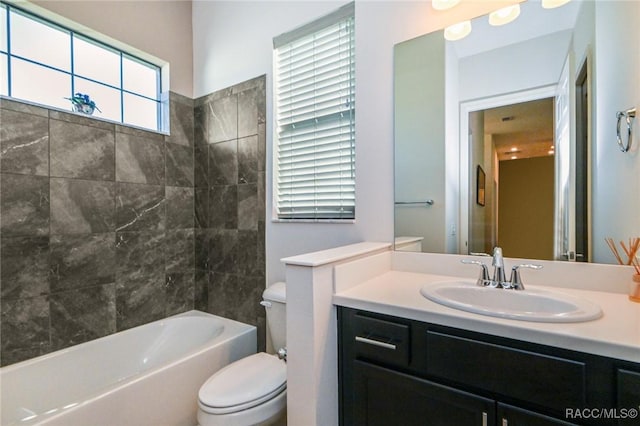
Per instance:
(395,371)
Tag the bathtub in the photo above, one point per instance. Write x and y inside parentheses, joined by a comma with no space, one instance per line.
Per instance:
(148,375)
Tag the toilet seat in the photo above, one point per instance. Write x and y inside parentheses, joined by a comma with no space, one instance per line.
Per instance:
(243,384)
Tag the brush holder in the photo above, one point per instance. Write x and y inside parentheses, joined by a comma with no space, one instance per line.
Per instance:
(634,289)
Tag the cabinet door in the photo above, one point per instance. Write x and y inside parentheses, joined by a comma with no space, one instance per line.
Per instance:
(628,396)
(387,398)
(513,416)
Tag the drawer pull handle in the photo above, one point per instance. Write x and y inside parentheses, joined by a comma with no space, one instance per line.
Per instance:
(485,419)
(375,343)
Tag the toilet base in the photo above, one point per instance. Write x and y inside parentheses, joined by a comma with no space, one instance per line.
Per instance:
(270,413)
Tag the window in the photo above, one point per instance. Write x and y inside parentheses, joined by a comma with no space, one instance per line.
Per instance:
(315,114)
(46,63)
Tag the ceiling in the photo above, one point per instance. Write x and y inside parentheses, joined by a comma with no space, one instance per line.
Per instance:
(526,128)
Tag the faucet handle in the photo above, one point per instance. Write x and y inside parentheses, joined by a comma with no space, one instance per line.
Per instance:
(483,279)
(516,281)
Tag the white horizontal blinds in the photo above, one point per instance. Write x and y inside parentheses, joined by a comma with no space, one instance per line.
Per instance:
(315,95)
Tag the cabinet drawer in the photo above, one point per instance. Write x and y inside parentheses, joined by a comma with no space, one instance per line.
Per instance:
(539,379)
(380,340)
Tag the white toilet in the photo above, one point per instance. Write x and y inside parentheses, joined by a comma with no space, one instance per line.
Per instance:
(253,390)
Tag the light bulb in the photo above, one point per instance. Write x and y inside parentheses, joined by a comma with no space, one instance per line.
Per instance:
(457,31)
(551,4)
(504,15)
(444,4)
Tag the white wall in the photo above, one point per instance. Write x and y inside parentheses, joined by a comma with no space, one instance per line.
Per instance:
(159,28)
(233,42)
(616,174)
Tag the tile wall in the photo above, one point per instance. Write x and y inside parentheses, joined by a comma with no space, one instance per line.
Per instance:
(96,226)
(230,203)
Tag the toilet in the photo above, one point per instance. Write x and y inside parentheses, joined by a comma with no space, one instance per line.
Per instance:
(252,390)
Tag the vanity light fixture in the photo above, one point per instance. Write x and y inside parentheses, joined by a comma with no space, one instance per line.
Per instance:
(514,149)
(514,157)
(443,4)
(552,4)
(457,31)
(505,15)
(551,152)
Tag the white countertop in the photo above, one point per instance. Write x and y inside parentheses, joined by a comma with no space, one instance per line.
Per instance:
(616,334)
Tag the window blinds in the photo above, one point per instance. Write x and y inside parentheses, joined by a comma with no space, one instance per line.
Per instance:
(315,115)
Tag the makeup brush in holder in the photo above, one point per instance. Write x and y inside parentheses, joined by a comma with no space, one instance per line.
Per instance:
(631,251)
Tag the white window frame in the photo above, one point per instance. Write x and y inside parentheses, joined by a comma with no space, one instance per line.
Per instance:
(336,204)
(161,114)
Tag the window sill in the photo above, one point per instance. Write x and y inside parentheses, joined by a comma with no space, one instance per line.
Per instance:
(337,221)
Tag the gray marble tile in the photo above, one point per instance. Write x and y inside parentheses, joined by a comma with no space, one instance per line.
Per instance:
(179,161)
(84,260)
(139,207)
(8,357)
(201,208)
(223,251)
(261,205)
(262,333)
(201,166)
(139,258)
(223,163)
(253,83)
(261,100)
(20,106)
(201,292)
(139,159)
(24,143)
(82,206)
(179,250)
(179,207)
(248,261)
(262,147)
(261,253)
(138,304)
(24,205)
(179,292)
(245,299)
(24,267)
(139,133)
(211,97)
(248,207)
(223,207)
(247,113)
(77,118)
(223,119)
(81,315)
(182,120)
(202,243)
(221,285)
(248,160)
(200,128)
(24,323)
(79,151)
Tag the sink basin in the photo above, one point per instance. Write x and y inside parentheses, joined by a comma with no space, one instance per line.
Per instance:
(525,305)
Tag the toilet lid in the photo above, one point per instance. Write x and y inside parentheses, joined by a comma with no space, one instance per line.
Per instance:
(244,384)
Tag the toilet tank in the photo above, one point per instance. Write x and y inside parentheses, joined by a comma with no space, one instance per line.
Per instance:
(274,299)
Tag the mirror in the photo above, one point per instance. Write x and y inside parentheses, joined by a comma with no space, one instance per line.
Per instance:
(544,89)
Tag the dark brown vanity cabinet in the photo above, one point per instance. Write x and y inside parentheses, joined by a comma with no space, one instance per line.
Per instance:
(395,371)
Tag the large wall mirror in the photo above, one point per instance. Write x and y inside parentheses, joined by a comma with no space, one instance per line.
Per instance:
(508,136)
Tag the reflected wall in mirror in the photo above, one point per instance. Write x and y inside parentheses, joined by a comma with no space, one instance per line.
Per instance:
(469,103)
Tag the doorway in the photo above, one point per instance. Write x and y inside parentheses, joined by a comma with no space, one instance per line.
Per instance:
(512,145)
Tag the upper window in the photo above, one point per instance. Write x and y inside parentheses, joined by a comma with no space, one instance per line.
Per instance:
(315,113)
(48,64)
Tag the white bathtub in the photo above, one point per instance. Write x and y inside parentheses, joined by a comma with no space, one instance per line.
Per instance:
(148,375)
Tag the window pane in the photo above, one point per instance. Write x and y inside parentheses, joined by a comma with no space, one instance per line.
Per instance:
(39,84)
(95,62)
(3,28)
(107,99)
(27,40)
(140,112)
(139,78)
(4,73)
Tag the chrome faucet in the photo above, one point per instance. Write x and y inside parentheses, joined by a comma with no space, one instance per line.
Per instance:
(499,279)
